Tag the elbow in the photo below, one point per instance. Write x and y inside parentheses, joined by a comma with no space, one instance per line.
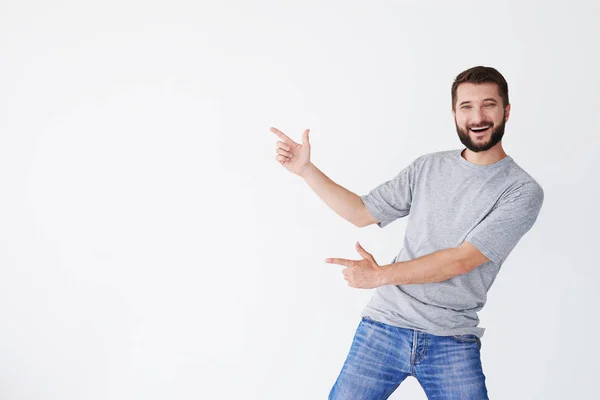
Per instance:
(358,224)
(363,218)
(361,222)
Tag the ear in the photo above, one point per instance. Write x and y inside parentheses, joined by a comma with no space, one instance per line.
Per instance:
(453,114)
(507,112)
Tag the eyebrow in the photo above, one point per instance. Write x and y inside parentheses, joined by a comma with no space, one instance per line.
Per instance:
(488,99)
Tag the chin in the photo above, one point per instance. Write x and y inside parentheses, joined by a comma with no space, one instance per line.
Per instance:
(481,141)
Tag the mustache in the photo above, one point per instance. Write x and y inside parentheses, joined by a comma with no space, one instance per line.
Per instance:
(481,125)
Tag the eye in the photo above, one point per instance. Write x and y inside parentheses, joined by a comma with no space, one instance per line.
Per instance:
(490,104)
(463,107)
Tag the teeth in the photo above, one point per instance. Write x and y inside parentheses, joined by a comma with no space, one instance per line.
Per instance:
(480,129)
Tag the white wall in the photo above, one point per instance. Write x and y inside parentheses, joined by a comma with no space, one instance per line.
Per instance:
(151,246)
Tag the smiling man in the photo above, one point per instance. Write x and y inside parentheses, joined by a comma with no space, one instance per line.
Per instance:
(480,129)
(468,209)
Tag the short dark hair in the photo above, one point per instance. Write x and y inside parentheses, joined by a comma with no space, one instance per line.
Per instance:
(481,74)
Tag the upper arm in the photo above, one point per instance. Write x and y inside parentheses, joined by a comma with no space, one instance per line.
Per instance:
(470,256)
(390,200)
(500,231)
(365,218)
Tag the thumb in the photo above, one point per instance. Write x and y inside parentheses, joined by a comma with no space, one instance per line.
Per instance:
(305,137)
(362,251)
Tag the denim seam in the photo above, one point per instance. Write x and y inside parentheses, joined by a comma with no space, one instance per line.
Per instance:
(389,393)
(413,354)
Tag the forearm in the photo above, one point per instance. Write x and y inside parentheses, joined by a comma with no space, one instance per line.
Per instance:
(435,267)
(343,202)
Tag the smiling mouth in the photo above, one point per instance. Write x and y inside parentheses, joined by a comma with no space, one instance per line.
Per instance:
(481,130)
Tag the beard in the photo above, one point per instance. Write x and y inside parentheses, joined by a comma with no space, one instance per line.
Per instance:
(495,136)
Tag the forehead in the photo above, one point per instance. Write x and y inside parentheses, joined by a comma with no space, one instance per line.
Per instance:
(477,91)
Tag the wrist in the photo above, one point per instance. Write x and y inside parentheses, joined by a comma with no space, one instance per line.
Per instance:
(385,275)
(390,274)
(306,170)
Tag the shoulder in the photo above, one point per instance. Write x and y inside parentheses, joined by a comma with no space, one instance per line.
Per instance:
(523,187)
(435,156)
(435,161)
(523,181)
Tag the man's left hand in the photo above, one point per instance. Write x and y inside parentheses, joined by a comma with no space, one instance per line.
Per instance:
(363,274)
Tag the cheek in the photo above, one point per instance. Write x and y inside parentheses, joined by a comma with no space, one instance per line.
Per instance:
(496,117)
(462,122)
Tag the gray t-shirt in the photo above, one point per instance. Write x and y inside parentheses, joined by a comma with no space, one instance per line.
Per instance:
(451,200)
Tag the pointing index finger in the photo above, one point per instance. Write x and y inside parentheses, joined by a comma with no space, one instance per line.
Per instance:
(339,261)
(282,136)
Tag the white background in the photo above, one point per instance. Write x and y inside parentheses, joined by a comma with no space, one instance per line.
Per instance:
(151,247)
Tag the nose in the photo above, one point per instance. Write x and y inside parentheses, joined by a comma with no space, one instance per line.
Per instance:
(478,117)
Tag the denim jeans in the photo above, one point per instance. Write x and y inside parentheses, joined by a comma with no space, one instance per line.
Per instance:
(382,356)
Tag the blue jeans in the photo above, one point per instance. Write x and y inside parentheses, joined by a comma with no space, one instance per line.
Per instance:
(382,356)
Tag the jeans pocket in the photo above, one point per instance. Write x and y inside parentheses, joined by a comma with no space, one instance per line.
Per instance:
(468,338)
(372,322)
(369,319)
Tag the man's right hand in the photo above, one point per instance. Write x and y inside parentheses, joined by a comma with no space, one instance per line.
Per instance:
(296,158)
(293,156)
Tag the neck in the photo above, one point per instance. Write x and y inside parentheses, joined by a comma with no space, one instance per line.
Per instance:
(490,156)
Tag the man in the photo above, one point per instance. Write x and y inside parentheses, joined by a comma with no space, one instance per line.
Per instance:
(468,209)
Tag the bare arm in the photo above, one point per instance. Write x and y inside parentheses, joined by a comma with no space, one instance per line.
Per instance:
(435,267)
(295,158)
(345,203)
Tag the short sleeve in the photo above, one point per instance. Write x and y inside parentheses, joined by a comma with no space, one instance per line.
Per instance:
(392,199)
(514,215)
